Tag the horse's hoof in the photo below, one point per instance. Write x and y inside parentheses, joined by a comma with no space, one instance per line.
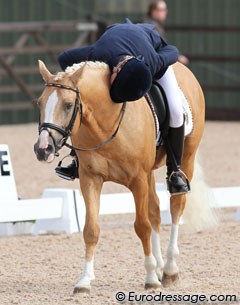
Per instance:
(152,285)
(78,289)
(169,280)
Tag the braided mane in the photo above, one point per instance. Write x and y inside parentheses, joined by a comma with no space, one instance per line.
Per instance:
(70,70)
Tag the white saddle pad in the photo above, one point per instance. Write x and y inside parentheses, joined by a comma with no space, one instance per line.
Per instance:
(188,116)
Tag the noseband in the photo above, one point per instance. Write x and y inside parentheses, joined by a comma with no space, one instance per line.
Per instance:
(67,132)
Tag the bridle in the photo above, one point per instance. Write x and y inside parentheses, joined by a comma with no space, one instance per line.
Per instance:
(67,132)
(64,132)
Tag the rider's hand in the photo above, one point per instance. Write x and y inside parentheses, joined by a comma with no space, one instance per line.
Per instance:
(183,60)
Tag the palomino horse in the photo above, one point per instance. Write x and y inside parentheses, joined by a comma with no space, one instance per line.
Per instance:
(77,103)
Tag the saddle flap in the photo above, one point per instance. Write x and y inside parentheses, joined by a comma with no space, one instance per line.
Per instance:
(159,101)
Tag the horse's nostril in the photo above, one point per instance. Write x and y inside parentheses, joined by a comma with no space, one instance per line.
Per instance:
(50,148)
(35,147)
(42,154)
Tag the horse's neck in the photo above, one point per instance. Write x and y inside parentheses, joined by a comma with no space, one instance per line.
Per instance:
(100,114)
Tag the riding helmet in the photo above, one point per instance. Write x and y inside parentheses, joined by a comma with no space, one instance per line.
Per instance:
(132,82)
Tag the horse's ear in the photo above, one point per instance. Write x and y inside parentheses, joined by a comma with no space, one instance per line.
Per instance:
(77,74)
(46,74)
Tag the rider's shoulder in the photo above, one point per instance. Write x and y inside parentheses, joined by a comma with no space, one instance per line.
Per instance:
(126,22)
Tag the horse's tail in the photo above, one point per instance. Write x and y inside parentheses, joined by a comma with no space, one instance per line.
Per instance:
(198,214)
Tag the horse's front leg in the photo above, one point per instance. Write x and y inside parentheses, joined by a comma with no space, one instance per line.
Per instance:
(91,188)
(139,188)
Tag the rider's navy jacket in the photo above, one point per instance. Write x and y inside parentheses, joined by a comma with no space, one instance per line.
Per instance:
(126,39)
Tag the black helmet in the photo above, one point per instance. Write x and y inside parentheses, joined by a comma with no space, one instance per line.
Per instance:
(132,82)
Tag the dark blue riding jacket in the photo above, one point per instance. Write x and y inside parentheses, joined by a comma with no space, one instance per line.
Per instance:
(126,39)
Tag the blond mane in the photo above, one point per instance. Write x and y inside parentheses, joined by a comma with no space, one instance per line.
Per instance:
(70,70)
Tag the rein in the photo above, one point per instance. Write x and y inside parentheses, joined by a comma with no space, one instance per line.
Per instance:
(67,132)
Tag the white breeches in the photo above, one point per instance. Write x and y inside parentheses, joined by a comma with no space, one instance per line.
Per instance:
(174,96)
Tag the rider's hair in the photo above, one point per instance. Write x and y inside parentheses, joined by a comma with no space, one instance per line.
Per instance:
(152,6)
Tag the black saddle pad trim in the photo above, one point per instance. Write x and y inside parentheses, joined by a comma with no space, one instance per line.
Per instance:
(163,118)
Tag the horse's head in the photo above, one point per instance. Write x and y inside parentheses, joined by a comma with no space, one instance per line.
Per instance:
(59,112)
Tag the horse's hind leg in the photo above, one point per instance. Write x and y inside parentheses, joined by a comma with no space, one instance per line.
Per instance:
(177,205)
(170,270)
(139,188)
(91,188)
(155,219)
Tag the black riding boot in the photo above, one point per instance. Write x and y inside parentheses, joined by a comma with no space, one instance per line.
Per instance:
(175,177)
(69,172)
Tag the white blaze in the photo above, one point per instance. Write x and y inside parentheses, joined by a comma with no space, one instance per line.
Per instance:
(50,106)
(49,111)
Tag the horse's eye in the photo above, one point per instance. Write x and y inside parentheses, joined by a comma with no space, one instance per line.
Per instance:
(68,106)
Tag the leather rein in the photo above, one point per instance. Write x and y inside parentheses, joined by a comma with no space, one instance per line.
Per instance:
(67,132)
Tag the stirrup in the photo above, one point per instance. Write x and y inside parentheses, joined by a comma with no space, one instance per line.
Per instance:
(63,173)
(181,172)
(64,177)
(65,157)
(171,187)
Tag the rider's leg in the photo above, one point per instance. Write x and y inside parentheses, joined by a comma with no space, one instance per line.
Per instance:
(174,95)
(175,140)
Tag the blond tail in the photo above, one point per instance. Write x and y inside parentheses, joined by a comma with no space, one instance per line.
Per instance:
(198,214)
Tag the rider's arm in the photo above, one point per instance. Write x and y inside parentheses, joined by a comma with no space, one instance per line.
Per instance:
(73,56)
(167,56)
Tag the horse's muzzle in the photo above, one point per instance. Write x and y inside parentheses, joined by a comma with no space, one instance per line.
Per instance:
(45,154)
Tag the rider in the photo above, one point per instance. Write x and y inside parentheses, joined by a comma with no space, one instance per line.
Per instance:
(136,55)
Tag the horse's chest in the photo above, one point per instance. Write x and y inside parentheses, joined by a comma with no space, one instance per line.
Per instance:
(110,170)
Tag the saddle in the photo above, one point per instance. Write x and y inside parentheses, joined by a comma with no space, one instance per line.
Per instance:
(157,100)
